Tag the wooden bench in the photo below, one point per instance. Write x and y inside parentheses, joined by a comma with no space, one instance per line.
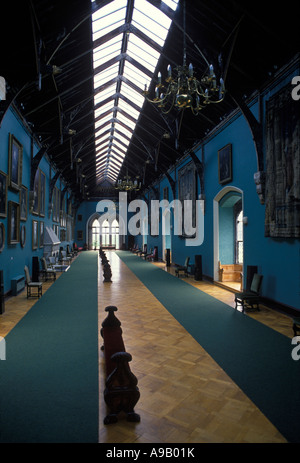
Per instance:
(121,392)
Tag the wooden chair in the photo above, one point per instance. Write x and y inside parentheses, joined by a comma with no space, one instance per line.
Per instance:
(183,268)
(47,272)
(143,252)
(153,255)
(251,297)
(32,285)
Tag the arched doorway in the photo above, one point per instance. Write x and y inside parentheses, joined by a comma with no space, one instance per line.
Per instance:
(228,236)
(166,234)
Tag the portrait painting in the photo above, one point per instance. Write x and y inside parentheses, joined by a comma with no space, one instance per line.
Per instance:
(34,234)
(41,235)
(42,194)
(23,236)
(13,222)
(3,194)
(23,203)
(36,196)
(225,164)
(2,237)
(15,163)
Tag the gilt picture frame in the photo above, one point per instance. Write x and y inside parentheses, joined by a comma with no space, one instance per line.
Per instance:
(3,194)
(35,234)
(13,233)
(2,236)
(23,203)
(225,164)
(15,159)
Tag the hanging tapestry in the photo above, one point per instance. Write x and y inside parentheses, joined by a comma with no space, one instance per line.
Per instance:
(282,215)
(187,191)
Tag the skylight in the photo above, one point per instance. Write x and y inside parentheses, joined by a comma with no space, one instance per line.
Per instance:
(123,64)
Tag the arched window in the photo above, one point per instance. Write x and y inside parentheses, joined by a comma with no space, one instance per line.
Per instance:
(114,231)
(109,233)
(95,234)
(105,233)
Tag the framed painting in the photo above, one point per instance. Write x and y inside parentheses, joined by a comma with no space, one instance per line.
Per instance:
(23,203)
(225,164)
(3,194)
(42,186)
(34,234)
(15,155)
(23,235)
(13,234)
(41,235)
(2,236)
(36,196)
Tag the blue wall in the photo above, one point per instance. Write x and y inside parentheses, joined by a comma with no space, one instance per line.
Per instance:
(14,256)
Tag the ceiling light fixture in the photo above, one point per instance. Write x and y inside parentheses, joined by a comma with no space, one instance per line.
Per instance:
(184,90)
(127,184)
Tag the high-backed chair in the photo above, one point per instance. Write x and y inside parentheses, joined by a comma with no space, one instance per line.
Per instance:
(143,252)
(47,272)
(252,297)
(64,258)
(183,268)
(152,256)
(32,285)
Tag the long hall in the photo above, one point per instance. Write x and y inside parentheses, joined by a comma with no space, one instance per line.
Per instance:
(150,199)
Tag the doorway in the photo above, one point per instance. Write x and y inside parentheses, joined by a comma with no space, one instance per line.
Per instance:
(228,237)
(166,234)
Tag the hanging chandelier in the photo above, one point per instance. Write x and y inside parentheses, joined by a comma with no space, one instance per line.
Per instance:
(127,184)
(183,90)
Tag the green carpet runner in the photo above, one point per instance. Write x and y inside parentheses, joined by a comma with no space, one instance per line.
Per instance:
(49,380)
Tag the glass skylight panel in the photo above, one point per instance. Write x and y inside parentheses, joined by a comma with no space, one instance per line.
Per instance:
(122,137)
(119,157)
(109,18)
(142,52)
(110,90)
(122,129)
(101,133)
(100,158)
(116,161)
(104,108)
(128,109)
(132,95)
(151,21)
(136,76)
(106,75)
(102,140)
(107,50)
(126,121)
(103,120)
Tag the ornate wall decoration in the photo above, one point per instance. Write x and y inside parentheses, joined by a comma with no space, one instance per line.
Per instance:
(282,215)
